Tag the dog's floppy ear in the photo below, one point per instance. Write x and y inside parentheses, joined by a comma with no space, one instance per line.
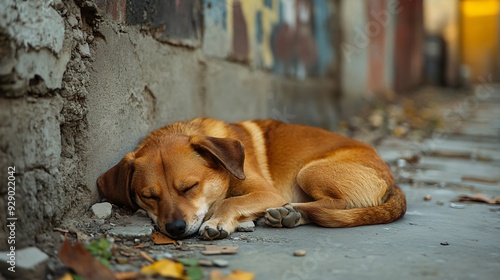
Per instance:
(115,184)
(226,151)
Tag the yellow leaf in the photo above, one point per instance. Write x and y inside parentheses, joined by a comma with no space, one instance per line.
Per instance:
(241,275)
(235,275)
(66,276)
(165,268)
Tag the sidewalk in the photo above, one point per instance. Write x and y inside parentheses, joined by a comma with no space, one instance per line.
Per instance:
(437,238)
(440,144)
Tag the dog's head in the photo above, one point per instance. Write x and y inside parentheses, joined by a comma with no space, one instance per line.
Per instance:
(176,179)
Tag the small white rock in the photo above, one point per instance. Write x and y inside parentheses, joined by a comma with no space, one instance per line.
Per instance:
(102,210)
(220,262)
(246,226)
(72,20)
(84,50)
(299,253)
(30,263)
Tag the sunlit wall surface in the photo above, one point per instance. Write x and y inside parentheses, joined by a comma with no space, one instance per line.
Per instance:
(479,39)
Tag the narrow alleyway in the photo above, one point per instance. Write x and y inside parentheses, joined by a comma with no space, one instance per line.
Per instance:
(441,152)
(439,238)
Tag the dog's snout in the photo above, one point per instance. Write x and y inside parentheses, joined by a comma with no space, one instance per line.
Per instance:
(176,228)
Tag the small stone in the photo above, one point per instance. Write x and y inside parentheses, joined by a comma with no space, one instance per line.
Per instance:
(299,253)
(401,162)
(440,203)
(427,197)
(204,262)
(138,227)
(84,50)
(102,210)
(220,263)
(72,20)
(30,263)
(457,206)
(246,227)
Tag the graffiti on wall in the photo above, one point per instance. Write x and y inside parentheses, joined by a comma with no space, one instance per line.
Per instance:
(289,37)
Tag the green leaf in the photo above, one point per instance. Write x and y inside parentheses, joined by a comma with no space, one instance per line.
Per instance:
(194,272)
(188,262)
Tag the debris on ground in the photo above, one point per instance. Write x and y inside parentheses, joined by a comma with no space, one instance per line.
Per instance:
(81,261)
(235,275)
(457,206)
(299,253)
(102,210)
(427,197)
(159,238)
(219,250)
(479,197)
(29,263)
(248,226)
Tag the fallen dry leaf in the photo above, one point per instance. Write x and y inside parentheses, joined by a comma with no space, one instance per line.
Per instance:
(159,238)
(479,197)
(126,275)
(165,268)
(481,179)
(235,275)
(219,250)
(146,257)
(66,276)
(82,262)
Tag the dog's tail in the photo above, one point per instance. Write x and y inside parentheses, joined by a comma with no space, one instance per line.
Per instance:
(392,209)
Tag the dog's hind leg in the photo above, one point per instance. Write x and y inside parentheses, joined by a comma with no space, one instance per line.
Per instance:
(335,186)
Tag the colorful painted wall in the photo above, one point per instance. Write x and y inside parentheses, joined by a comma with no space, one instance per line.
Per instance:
(288,37)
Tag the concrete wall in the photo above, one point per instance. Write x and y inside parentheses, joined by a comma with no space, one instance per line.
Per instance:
(81,82)
(367,47)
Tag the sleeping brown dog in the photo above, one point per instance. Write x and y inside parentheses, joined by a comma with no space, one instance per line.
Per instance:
(207,176)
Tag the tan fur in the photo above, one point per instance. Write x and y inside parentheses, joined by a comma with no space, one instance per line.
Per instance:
(207,176)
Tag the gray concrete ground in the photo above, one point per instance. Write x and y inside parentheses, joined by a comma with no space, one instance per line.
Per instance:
(437,238)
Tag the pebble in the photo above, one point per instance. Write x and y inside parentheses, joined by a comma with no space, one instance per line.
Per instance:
(102,210)
(203,262)
(427,197)
(84,50)
(220,262)
(30,263)
(246,227)
(72,20)
(457,206)
(299,253)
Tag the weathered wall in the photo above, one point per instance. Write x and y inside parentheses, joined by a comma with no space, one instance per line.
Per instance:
(43,79)
(367,48)
(82,82)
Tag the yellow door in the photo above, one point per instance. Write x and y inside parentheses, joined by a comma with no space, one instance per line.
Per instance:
(480,32)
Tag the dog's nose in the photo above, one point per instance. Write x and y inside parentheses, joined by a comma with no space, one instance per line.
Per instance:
(176,228)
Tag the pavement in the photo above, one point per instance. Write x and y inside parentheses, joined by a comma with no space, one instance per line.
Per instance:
(438,238)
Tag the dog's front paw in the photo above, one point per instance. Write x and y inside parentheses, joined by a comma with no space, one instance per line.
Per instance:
(210,231)
(285,216)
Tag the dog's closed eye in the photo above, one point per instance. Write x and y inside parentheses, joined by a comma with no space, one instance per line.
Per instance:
(150,195)
(190,187)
